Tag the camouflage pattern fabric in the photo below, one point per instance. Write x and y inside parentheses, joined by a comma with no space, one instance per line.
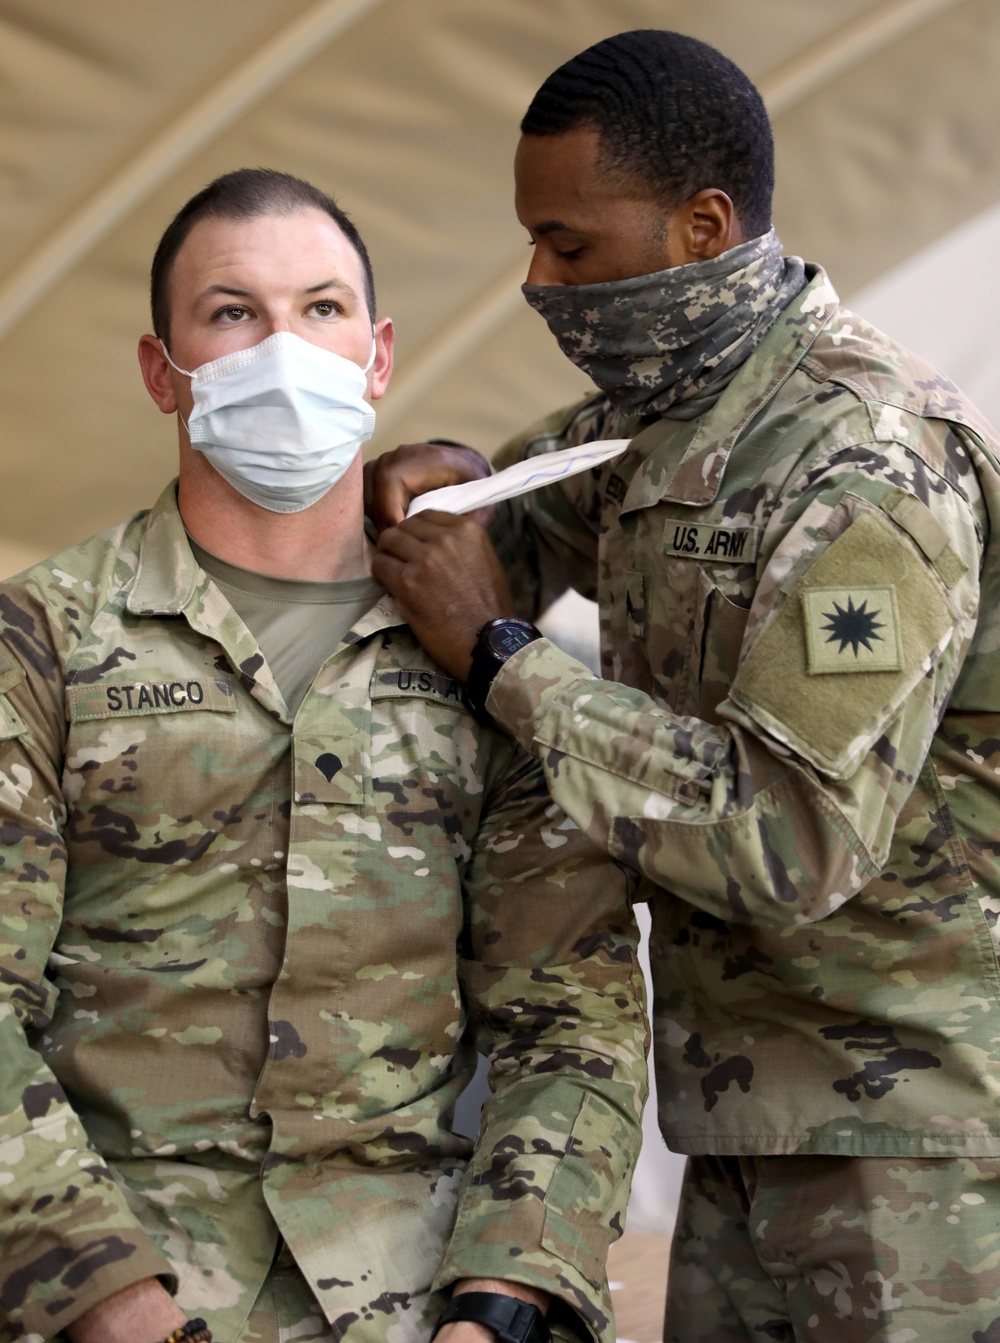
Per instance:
(836,1250)
(245,964)
(669,343)
(797,742)
(286,1311)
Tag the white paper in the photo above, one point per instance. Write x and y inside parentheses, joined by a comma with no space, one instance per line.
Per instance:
(530,474)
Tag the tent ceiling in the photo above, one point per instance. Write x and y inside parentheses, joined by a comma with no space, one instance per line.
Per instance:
(114,113)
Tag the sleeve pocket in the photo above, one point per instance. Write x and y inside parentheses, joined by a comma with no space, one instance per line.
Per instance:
(574,1229)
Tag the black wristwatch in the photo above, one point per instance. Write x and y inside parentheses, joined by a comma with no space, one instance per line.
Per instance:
(496,641)
(512,1321)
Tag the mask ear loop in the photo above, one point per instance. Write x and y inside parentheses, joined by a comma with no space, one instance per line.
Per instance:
(364,370)
(166,354)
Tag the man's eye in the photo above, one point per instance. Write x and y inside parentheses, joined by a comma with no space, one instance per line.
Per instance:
(572,254)
(233,312)
(326,307)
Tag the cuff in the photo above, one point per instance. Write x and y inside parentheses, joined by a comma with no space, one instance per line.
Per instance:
(511,1246)
(57,1286)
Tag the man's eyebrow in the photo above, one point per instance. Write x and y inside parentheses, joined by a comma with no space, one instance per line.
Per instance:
(551,226)
(224,289)
(330,284)
(232,291)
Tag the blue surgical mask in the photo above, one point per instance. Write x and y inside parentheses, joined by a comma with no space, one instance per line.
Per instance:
(281,421)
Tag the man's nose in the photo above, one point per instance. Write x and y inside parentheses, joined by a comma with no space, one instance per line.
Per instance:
(542,269)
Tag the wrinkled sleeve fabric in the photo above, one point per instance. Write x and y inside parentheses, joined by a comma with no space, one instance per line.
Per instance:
(556,997)
(68,1237)
(547,539)
(785,808)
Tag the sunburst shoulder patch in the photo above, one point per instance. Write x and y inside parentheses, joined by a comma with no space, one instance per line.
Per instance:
(851,630)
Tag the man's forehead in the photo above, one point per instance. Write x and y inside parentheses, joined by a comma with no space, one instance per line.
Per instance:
(569,166)
(274,244)
(565,182)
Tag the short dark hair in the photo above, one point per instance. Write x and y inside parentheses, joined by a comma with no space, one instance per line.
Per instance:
(245,194)
(672,113)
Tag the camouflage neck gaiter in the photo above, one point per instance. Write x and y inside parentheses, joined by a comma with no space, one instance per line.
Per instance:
(669,343)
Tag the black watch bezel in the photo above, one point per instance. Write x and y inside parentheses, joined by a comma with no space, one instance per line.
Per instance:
(510,1318)
(496,643)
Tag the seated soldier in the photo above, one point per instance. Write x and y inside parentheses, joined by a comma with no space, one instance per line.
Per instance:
(266,883)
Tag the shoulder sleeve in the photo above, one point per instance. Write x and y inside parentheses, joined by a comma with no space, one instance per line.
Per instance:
(556,993)
(855,636)
(68,1237)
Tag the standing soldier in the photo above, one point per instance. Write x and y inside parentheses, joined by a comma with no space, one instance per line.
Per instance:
(796,735)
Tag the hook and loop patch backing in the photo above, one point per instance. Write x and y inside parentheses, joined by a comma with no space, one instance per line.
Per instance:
(849,644)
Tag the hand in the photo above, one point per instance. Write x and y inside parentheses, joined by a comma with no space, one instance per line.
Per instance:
(447,581)
(144,1312)
(466,1331)
(395,478)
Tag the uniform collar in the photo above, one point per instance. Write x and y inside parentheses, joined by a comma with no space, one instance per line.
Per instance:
(169,581)
(168,575)
(697,477)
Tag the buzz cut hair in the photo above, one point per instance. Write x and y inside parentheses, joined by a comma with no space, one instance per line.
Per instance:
(674,116)
(247,193)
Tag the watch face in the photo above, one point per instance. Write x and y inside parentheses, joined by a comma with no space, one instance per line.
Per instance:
(504,640)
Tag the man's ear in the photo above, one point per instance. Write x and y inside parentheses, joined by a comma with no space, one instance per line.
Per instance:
(156,374)
(703,228)
(381,371)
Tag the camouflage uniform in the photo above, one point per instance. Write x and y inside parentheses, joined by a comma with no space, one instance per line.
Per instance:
(798,736)
(247,951)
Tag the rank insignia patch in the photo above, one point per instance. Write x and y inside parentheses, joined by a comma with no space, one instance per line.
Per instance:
(851,629)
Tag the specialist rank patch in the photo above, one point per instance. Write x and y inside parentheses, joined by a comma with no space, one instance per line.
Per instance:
(851,629)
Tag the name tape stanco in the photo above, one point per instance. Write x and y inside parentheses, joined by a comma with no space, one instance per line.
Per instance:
(531,474)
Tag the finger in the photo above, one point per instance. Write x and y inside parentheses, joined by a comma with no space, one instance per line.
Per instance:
(402,543)
(395,478)
(387,571)
(433,523)
(386,495)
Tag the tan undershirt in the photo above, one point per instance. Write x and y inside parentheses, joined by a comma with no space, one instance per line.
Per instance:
(297,623)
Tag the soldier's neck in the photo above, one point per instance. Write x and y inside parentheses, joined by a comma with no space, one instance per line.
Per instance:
(323,542)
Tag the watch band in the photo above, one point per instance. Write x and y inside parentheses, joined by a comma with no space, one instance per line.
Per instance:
(496,642)
(512,1320)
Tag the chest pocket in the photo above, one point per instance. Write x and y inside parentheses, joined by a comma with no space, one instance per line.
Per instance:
(420,724)
(694,598)
(163,767)
(427,762)
(135,738)
(721,613)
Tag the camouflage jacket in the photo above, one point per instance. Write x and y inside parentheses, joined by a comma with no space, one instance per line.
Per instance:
(244,963)
(797,742)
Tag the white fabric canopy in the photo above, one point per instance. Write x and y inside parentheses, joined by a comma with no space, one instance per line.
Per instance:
(113,113)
